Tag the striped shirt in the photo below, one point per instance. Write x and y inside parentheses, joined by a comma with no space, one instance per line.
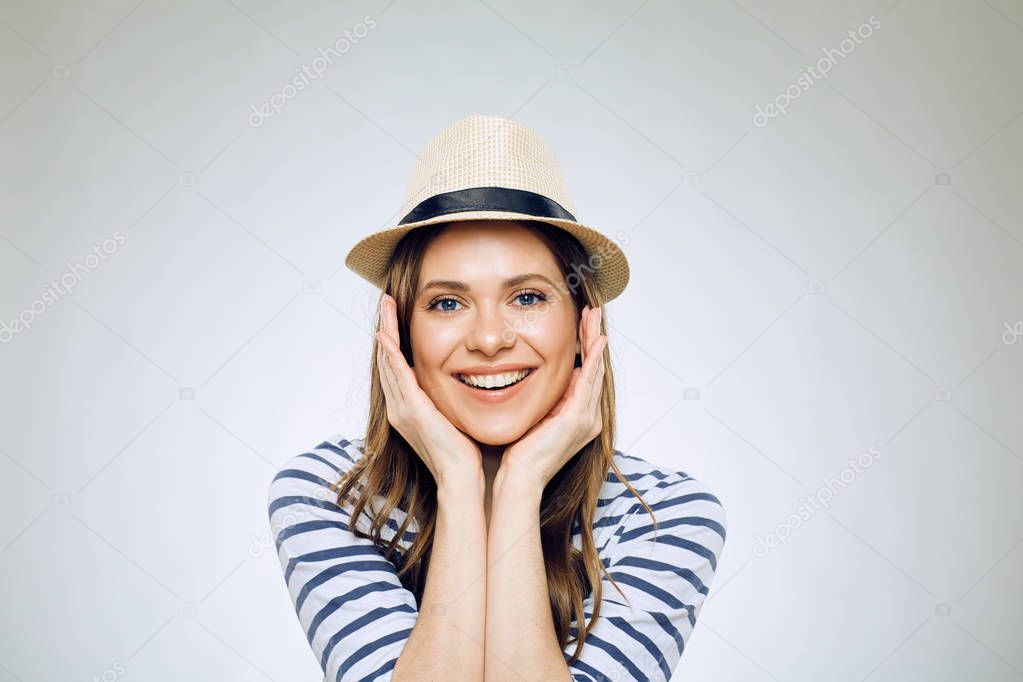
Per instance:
(357,616)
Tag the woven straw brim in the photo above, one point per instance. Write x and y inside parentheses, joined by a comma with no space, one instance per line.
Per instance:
(606,262)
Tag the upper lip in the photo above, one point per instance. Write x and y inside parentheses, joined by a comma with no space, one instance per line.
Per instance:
(481,370)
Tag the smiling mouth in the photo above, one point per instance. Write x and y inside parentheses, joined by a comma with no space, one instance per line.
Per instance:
(461,378)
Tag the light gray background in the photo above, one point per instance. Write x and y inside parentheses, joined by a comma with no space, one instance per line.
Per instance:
(846,276)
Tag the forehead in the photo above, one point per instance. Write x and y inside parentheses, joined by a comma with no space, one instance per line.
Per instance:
(484,253)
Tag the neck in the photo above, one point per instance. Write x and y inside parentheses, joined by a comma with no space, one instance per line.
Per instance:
(491,461)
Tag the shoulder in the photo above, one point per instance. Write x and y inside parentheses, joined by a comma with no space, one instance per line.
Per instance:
(311,473)
(676,498)
(660,482)
(351,604)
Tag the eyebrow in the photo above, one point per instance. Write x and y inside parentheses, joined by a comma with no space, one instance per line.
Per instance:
(507,284)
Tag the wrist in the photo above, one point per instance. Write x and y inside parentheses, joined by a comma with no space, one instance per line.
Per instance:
(461,487)
(519,483)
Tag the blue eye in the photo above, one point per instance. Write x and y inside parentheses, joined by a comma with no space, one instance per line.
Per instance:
(532,295)
(434,302)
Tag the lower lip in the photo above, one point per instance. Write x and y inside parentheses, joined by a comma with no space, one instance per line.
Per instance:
(496,395)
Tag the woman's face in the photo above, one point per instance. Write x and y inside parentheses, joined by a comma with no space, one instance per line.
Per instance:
(468,318)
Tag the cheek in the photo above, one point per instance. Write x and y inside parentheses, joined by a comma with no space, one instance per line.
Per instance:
(551,333)
(433,344)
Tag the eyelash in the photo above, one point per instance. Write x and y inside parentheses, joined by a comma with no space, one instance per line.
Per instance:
(527,292)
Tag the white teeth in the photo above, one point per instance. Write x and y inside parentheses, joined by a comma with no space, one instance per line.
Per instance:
(493,380)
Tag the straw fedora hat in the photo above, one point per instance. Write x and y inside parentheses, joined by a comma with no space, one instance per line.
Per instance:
(491,168)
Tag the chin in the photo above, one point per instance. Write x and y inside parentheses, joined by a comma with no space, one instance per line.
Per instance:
(496,434)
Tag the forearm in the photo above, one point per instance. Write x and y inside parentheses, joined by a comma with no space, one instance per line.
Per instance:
(520,637)
(447,640)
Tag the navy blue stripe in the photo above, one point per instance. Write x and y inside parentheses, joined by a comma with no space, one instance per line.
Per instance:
(336,603)
(310,455)
(671,523)
(644,641)
(615,653)
(592,673)
(307,527)
(612,477)
(303,475)
(356,625)
(628,493)
(694,547)
(682,499)
(288,500)
(380,671)
(652,565)
(325,554)
(601,523)
(380,564)
(337,448)
(672,631)
(663,595)
(364,651)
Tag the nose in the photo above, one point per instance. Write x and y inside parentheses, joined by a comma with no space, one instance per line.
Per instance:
(489,331)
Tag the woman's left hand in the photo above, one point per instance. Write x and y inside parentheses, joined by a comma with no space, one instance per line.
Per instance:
(574,420)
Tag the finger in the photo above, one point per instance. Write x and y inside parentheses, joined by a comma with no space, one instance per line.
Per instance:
(597,381)
(391,366)
(386,380)
(391,319)
(404,379)
(584,340)
(591,336)
(580,388)
(592,364)
(590,370)
(592,328)
(382,368)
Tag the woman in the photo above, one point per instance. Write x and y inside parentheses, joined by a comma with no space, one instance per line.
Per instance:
(494,513)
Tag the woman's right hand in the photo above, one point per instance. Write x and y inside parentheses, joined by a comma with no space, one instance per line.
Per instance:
(449,454)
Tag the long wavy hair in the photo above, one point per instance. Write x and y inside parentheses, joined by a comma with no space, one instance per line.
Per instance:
(392,470)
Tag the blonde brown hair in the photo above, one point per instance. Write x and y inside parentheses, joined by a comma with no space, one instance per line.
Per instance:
(393,471)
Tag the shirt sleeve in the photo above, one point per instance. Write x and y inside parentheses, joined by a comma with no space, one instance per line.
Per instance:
(666,581)
(353,609)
